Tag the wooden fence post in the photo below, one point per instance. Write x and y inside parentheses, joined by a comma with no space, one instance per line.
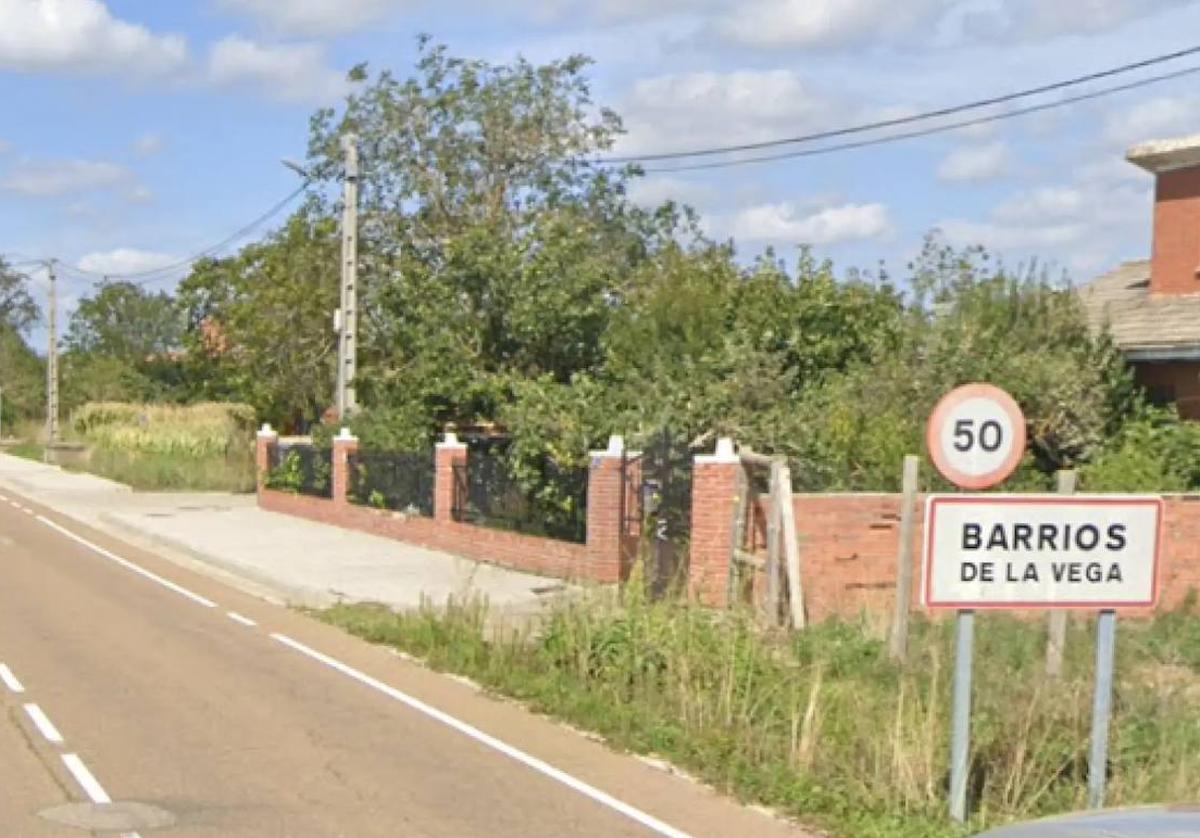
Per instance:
(791,547)
(1056,622)
(898,640)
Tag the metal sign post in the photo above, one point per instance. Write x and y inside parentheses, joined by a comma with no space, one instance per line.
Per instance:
(1063,551)
(1106,645)
(960,732)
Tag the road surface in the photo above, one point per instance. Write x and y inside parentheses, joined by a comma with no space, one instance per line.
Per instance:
(185,708)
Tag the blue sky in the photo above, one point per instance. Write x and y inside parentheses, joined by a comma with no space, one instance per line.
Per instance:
(136,132)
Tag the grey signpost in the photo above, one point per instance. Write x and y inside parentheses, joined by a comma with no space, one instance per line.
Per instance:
(1027,551)
(976,437)
(1106,647)
(960,732)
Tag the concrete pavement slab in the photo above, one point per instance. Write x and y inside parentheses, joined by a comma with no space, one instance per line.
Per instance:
(276,556)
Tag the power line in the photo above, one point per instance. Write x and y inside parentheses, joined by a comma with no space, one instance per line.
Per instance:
(925,132)
(155,274)
(905,120)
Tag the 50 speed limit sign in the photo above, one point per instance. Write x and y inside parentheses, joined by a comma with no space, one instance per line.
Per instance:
(976,436)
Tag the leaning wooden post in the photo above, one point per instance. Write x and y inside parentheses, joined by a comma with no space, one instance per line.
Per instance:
(1056,622)
(774,545)
(898,641)
(791,546)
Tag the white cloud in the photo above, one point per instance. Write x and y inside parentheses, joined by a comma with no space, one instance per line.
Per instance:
(82,36)
(1153,119)
(976,163)
(807,23)
(653,191)
(291,72)
(50,178)
(139,195)
(1039,20)
(1085,223)
(149,144)
(709,108)
(1044,204)
(785,223)
(4,146)
(124,260)
(316,17)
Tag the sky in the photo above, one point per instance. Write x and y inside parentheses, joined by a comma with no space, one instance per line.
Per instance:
(134,133)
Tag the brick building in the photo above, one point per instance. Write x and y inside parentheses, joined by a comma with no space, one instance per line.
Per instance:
(1152,307)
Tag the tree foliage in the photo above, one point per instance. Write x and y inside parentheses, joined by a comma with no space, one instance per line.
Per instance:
(258,324)
(506,277)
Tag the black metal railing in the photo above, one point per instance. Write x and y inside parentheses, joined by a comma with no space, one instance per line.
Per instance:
(402,481)
(302,469)
(551,501)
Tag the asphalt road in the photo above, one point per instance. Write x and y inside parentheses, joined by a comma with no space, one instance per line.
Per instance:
(126,678)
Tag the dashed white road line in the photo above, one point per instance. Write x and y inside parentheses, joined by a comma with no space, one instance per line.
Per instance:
(26,510)
(14,504)
(90,785)
(128,565)
(238,618)
(10,680)
(603,798)
(42,722)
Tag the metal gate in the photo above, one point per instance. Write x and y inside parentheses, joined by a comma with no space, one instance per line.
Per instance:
(656,510)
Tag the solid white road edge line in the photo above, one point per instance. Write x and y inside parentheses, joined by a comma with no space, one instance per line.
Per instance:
(10,680)
(91,787)
(544,768)
(42,722)
(238,618)
(128,565)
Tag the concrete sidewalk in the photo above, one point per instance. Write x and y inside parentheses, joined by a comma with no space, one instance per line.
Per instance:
(277,557)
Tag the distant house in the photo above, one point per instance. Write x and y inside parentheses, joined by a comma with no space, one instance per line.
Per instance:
(1152,307)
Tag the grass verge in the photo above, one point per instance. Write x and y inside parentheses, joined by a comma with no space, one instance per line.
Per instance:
(154,471)
(819,724)
(28,450)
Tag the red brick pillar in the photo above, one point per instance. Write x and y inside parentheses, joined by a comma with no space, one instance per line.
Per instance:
(714,505)
(264,442)
(450,453)
(344,444)
(609,558)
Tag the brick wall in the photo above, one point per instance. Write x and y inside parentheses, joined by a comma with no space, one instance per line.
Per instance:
(849,543)
(1176,233)
(601,559)
(543,556)
(1180,378)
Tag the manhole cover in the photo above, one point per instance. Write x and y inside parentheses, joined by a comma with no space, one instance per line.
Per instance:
(110,817)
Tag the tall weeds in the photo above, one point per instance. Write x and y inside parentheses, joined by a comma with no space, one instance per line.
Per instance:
(820,724)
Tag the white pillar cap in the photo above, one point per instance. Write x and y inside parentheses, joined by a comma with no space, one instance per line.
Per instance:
(450,440)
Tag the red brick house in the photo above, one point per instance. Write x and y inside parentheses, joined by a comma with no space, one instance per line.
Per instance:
(1152,307)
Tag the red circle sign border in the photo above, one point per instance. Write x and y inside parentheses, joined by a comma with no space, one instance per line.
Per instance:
(938,418)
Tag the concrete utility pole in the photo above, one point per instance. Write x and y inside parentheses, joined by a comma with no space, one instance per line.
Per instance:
(52,361)
(347,323)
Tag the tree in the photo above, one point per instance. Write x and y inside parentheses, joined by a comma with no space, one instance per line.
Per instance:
(22,374)
(259,323)
(492,245)
(18,311)
(124,321)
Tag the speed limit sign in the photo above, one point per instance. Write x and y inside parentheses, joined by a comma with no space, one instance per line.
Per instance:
(976,436)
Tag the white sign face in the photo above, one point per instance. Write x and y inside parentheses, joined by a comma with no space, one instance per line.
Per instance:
(976,436)
(1041,551)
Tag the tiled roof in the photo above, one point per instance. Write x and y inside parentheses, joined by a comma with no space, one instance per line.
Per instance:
(1139,322)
